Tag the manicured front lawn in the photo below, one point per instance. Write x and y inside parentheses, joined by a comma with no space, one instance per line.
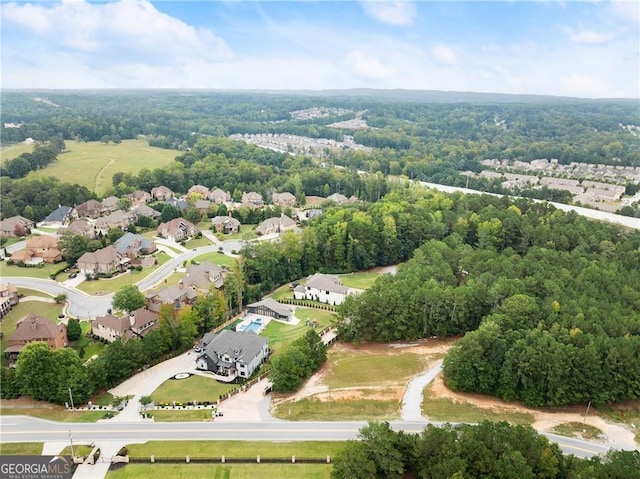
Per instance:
(196,243)
(194,388)
(312,409)
(55,413)
(181,415)
(217,258)
(109,285)
(43,272)
(21,448)
(32,292)
(8,323)
(223,471)
(79,450)
(246,233)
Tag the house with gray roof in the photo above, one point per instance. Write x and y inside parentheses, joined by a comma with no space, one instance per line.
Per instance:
(231,354)
(161,193)
(177,229)
(117,219)
(145,210)
(61,215)
(275,225)
(338,198)
(283,199)
(325,288)
(132,245)
(202,276)
(178,296)
(10,226)
(178,203)
(270,307)
(109,204)
(79,227)
(225,224)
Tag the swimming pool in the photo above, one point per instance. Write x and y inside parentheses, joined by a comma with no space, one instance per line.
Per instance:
(253,326)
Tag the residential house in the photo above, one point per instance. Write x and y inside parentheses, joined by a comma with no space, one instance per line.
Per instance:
(270,307)
(325,288)
(202,206)
(177,296)
(177,229)
(62,215)
(219,197)
(39,249)
(161,193)
(79,227)
(178,203)
(35,328)
(133,245)
(89,209)
(338,198)
(103,261)
(253,198)
(202,276)
(138,197)
(109,204)
(225,224)
(283,199)
(110,327)
(275,225)
(142,321)
(306,215)
(144,210)
(117,219)
(8,298)
(15,226)
(232,354)
(203,191)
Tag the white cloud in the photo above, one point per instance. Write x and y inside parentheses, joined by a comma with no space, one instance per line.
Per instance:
(396,12)
(130,29)
(367,66)
(589,37)
(625,11)
(444,54)
(585,85)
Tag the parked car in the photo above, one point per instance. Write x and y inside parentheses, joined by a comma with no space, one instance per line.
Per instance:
(73,275)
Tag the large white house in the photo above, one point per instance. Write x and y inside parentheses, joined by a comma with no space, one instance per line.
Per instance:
(231,354)
(325,288)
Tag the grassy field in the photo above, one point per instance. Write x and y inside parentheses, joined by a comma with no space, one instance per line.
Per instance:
(36,272)
(220,259)
(91,346)
(183,415)
(8,323)
(447,410)
(79,450)
(12,151)
(281,293)
(359,280)
(109,285)
(93,164)
(21,448)
(194,388)
(222,471)
(32,292)
(53,412)
(246,233)
(578,429)
(280,334)
(196,243)
(312,409)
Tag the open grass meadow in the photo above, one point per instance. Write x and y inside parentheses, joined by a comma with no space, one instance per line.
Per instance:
(220,259)
(312,409)
(10,152)
(8,323)
(93,164)
(194,388)
(50,411)
(21,448)
(222,471)
(444,409)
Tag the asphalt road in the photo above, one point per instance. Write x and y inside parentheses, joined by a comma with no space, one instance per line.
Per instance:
(28,429)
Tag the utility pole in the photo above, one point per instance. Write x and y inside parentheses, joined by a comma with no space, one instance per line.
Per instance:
(71,397)
(71,441)
(586,412)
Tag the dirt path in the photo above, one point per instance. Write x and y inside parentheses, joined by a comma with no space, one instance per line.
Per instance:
(100,173)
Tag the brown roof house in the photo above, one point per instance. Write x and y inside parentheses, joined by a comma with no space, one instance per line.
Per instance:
(275,225)
(109,204)
(202,276)
(133,245)
(89,209)
(225,224)
(8,298)
(142,321)
(35,328)
(117,219)
(253,198)
(144,210)
(15,226)
(202,206)
(161,193)
(283,199)
(139,197)
(199,190)
(103,261)
(218,196)
(79,227)
(39,249)
(177,229)
(177,296)
(110,327)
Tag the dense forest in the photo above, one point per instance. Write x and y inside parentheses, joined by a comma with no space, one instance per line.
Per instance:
(486,450)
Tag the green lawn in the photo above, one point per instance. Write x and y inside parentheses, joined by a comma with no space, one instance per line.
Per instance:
(280,335)
(246,233)
(8,323)
(223,471)
(93,164)
(359,280)
(196,243)
(217,258)
(21,448)
(47,229)
(91,346)
(312,409)
(55,413)
(194,388)
(172,280)
(32,292)
(79,450)
(36,272)
(12,151)
(281,293)
(109,285)
(578,429)
(182,415)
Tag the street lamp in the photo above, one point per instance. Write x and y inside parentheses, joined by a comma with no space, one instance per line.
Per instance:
(71,397)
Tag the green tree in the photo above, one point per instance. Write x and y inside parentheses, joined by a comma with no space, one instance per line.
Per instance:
(128,298)
(72,246)
(74,330)
(353,462)
(289,369)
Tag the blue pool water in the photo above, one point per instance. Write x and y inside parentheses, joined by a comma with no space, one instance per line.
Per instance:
(253,326)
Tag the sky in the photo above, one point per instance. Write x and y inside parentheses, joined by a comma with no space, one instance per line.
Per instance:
(571,48)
